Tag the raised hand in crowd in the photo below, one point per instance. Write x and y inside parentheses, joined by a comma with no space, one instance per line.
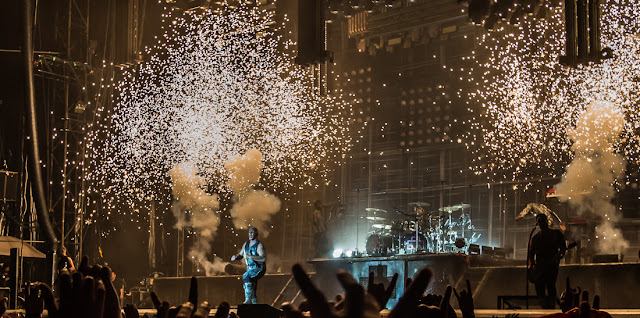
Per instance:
(79,297)
(436,306)
(130,311)
(378,291)
(407,306)
(465,301)
(357,303)
(188,310)
(569,299)
(582,309)
(223,310)
(33,302)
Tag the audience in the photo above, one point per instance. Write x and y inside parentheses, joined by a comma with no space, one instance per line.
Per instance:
(89,292)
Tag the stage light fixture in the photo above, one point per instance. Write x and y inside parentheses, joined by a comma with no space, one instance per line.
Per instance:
(531,7)
(517,16)
(491,21)
(479,10)
(542,14)
(367,5)
(505,9)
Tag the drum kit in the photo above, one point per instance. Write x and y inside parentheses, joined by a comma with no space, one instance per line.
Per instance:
(448,229)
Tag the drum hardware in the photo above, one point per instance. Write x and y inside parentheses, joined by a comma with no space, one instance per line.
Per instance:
(376,210)
(381,226)
(419,204)
(449,209)
(419,230)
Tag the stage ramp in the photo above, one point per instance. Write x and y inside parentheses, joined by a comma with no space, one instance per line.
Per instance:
(227,288)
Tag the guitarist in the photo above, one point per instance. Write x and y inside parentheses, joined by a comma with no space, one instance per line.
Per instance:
(547,248)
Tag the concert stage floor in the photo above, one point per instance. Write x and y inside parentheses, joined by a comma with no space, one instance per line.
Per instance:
(618,284)
(482,313)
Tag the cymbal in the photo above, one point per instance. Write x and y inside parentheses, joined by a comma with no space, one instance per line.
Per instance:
(463,206)
(375,218)
(420,204)
(449,208)
(375,210)
(382,226)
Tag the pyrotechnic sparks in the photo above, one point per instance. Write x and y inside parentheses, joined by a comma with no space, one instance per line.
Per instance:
(529,101)
(215,86)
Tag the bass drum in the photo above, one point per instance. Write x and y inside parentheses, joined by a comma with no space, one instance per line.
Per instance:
(378,244)
(410,243)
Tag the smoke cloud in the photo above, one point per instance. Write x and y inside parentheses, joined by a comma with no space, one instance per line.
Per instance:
(244,171)
(203,207)
(588,183)
(251,207)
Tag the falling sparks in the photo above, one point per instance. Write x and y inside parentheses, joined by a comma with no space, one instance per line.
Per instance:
(213,87)
(530,102)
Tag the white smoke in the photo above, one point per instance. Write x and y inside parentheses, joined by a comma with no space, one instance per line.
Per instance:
(251,207)
(588,183)
(203,207)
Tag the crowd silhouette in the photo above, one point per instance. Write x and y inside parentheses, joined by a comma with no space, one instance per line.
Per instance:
(89,292)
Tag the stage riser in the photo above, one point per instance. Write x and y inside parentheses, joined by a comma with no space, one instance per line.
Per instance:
(175,290)
(617,284)
(447,270)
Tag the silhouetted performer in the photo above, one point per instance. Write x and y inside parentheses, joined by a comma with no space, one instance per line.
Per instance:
(546,250)
(64,261)
(254,257)
(319,230)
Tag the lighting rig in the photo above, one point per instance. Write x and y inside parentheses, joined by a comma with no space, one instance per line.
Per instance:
(582,23)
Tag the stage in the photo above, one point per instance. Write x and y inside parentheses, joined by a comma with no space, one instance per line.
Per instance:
(492,279)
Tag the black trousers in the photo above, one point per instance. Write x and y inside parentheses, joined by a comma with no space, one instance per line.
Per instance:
(546,288)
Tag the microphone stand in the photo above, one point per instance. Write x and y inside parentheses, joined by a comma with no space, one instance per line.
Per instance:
(527,266)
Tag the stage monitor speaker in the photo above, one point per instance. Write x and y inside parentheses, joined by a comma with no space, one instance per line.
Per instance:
(258,311)
(605,258)
(487,250)
(499,252)
(474,249)
(140,297)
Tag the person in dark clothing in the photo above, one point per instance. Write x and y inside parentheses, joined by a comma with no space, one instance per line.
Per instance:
(254,257)
(546,250)
(64,261)
(319,230)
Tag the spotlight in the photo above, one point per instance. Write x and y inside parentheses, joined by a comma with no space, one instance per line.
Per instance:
(337,253)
